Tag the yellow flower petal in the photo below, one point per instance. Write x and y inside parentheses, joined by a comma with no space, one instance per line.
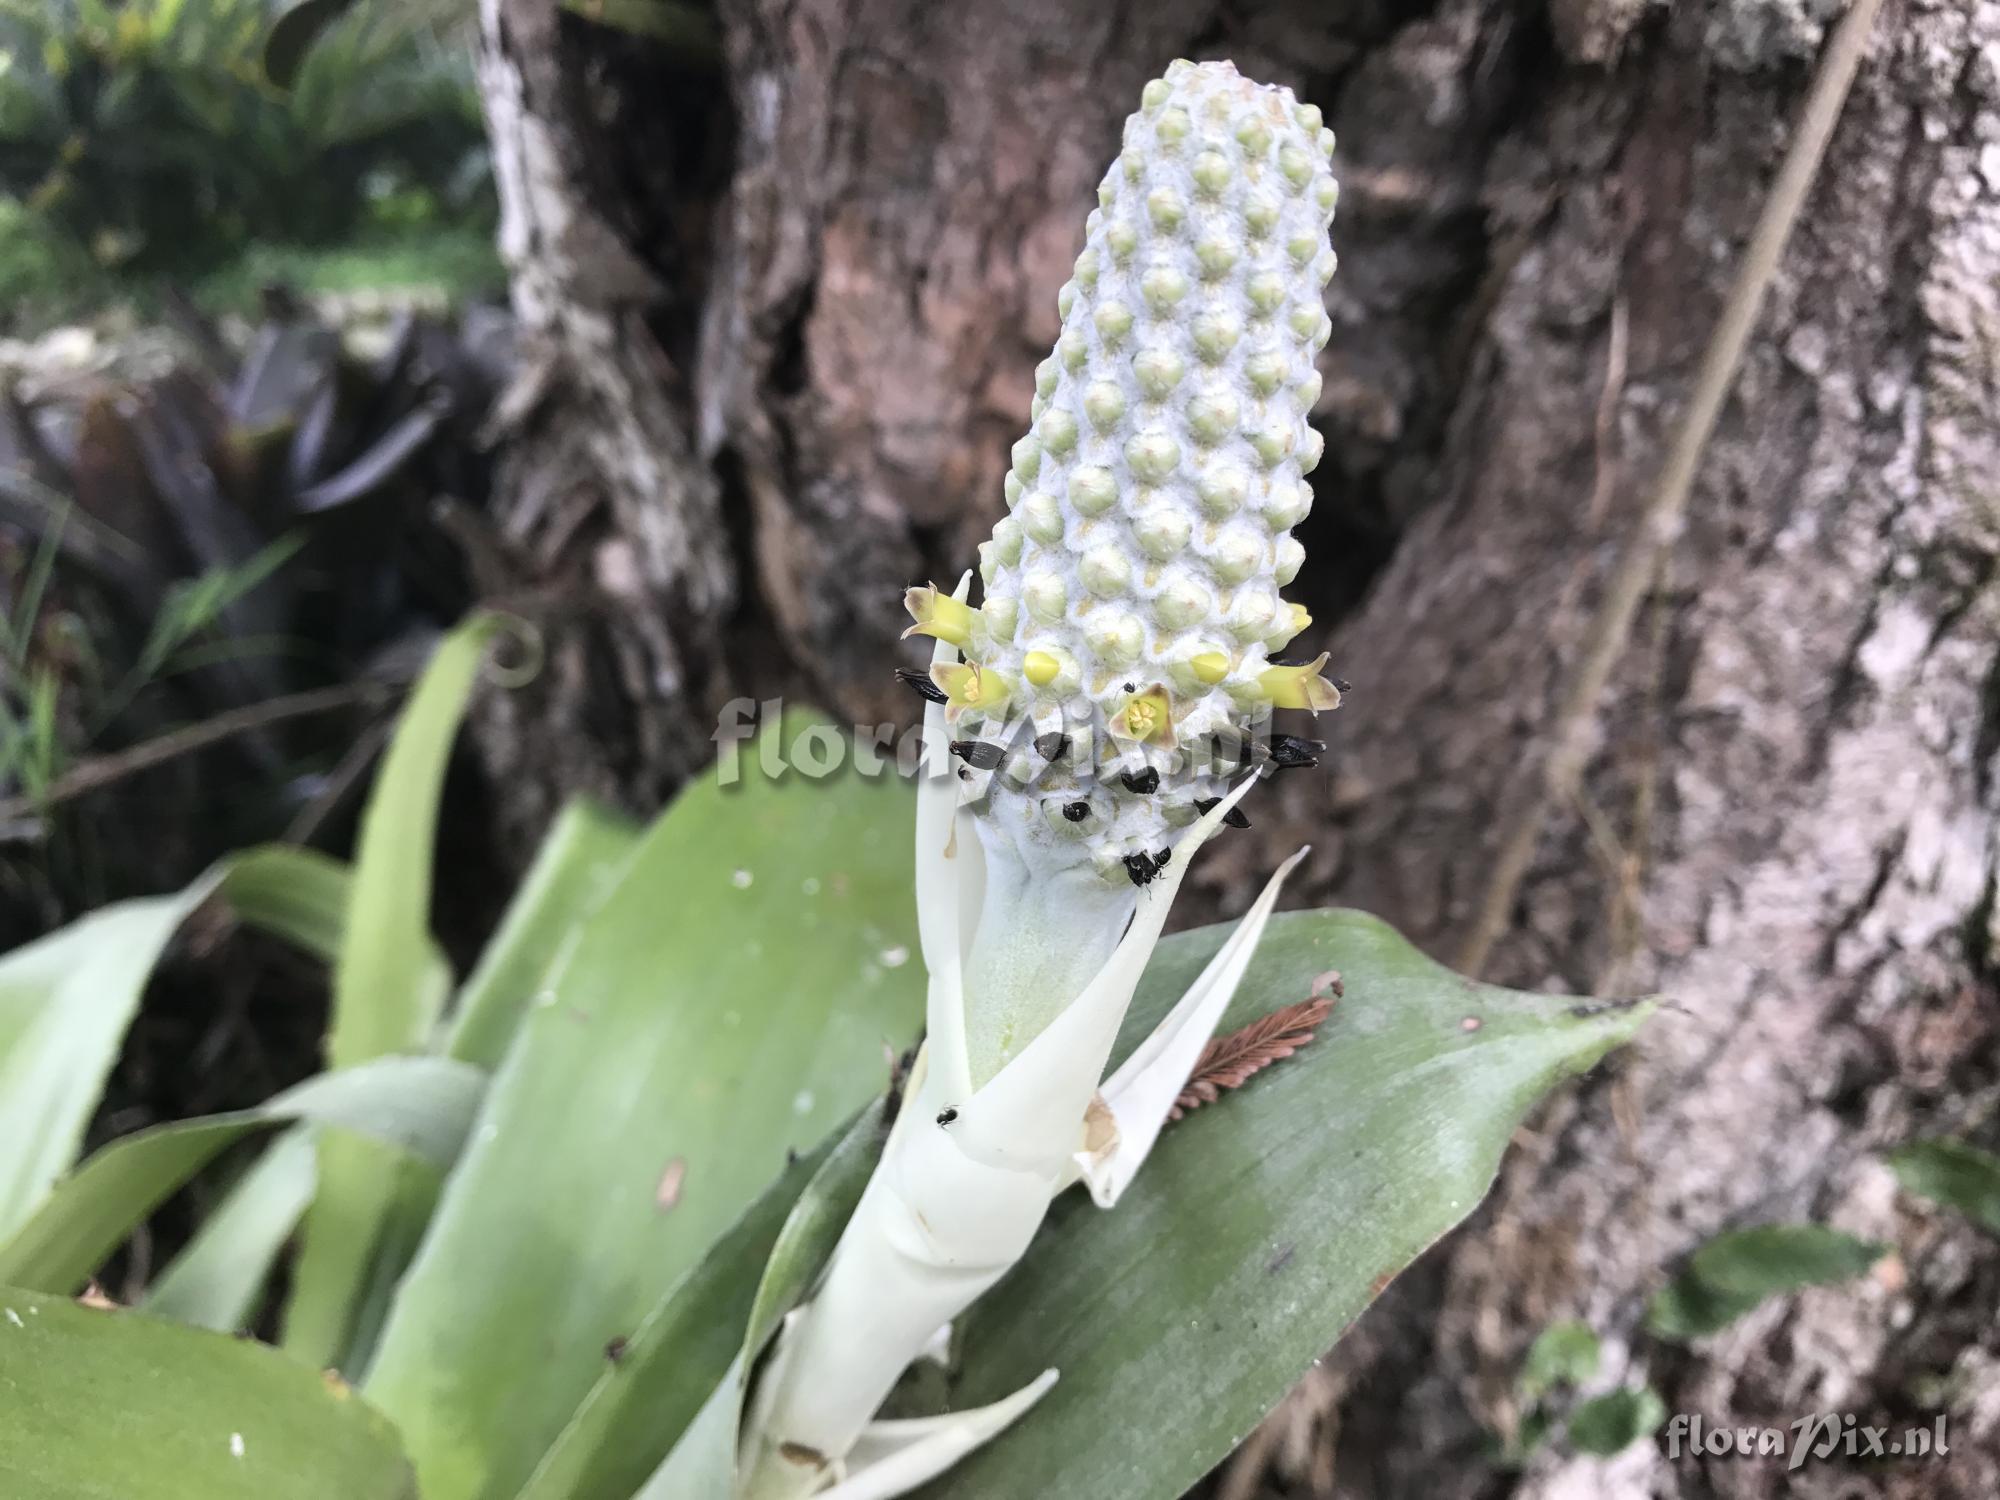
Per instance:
(939,615)
(1299,687)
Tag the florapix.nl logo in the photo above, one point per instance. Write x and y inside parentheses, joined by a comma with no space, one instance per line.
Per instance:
(1817,1438)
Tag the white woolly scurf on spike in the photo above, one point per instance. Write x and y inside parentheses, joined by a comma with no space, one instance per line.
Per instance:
(1099,708)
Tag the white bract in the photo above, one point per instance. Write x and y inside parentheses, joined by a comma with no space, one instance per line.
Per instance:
(1097,714)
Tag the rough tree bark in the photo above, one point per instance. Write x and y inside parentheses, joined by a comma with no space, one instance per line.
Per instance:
(784,297)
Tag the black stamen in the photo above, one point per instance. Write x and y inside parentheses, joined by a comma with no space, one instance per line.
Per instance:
(1234,818)
(1141,868)
(1289,751)
(1143,782)
(980,754)
(1076,812)
(1052,746)
(947,1115)
(929,691)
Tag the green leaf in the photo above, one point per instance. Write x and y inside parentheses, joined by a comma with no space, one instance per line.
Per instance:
(1265,1223)
(217,1278)
(1611,1423)
(1954,1173)
(578,865)
(297,26)
(112,1405)
(732,998)
(694,1344)
(1564,1354)
(67,1000)
(1737,1270)
(386,994)
(703,1461)
(417,1105)
(65,1003)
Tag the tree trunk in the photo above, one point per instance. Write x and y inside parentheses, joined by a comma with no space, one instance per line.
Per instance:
(784,286)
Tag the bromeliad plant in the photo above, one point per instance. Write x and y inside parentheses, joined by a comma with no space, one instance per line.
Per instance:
(1115,677)
(628,1215)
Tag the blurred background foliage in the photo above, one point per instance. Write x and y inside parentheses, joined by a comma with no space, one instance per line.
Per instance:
(247,277)
(148,140)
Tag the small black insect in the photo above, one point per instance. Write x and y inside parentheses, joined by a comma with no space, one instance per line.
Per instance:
(1141,868)
(947,1115)
(1160,859)
(1143,782)
(1076,812)
(981,754)
(929,691)
(1052,746)
(615,1349)
(1343,684)
(1234,818)
(1288,751)
(1131,687)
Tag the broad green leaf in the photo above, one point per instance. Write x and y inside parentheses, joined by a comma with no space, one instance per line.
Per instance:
(65,1002)
(1737,1270)
(733,997)
(577,866)
(1264,1223)
(703,1462)
(386,995)
(1954,1173)
(1564,1354)
(99,1404)
(299,894)
(691,1345)
(217,1278)
(418,1105)
(1613,1422)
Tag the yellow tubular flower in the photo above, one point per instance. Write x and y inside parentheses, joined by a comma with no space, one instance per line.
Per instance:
(1300,686)
(938,615)
(968,685)
(1147,717)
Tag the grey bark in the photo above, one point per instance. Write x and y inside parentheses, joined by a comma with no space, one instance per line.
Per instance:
(789,302)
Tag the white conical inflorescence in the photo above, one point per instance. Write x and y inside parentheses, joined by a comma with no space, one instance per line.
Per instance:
(1122,654)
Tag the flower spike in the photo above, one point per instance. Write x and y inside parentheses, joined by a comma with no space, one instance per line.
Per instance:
(1131,605)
